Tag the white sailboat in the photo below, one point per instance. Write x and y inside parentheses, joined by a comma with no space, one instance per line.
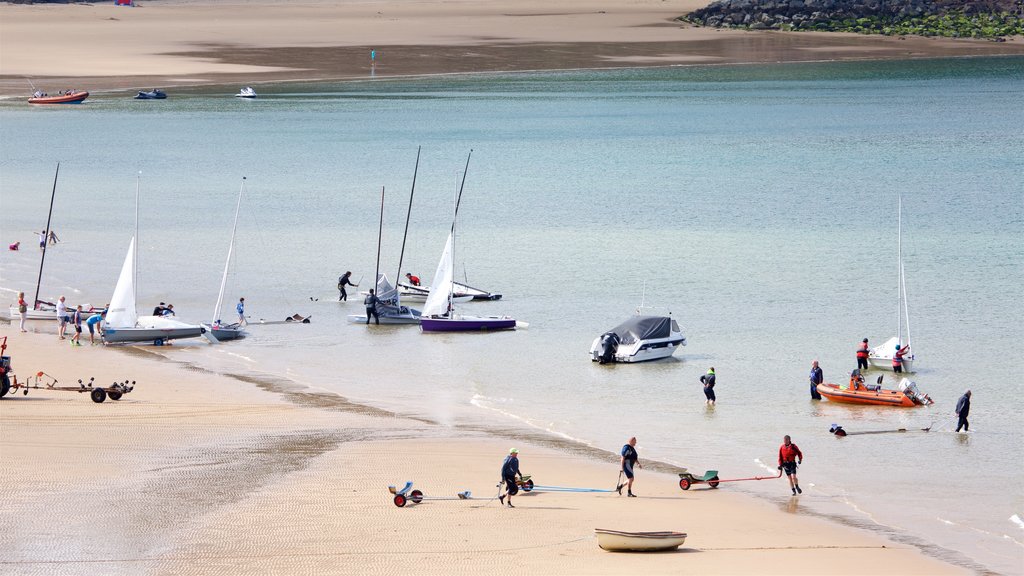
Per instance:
(123,324)
(438,312)
(881,356)
(216,330)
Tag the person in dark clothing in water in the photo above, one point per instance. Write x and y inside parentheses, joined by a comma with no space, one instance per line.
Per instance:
(963,408)
(370,302)
(708,380)
(509,471)
(344,280)
(816,378)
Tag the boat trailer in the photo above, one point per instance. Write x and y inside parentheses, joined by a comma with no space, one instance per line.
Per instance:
(710,478)
(43,381)
(407,495)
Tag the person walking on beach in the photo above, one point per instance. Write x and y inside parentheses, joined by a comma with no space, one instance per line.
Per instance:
(42,239)
(789,458)
(22,310)
(963,408)
(628,459)
(344,280)
(509,471)
(816,378)
(240,308)
(862,355)
(708,380)
(93,323)
(76,319)
(370,302)
(62,317)
(897,358)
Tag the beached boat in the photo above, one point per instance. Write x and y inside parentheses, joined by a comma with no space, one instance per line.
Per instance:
(216,330)
(856,392)
(123,324)
(246,92)
(438,312)
(66,97)
(881,356)
(154,94)
(616,541)
(639,339)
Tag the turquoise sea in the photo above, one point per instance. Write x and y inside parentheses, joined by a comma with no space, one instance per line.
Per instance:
(756,203)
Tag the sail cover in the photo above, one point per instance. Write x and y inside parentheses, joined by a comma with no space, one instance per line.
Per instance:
(121,313)
(643,328)
(441,287)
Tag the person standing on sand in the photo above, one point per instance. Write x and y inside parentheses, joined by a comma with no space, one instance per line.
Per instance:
(789,458)
(708,380)
(22,310)
(240,308)
(344,280)
(93,323)
(816,378)
(629,458)
(370,302)
(62,318)
(862,355)
(963,408)
(76,319)
(509,471)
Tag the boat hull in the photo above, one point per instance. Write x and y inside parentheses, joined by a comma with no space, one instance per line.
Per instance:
(616,541)
(882,363)
(468,324)
(74,98)
(223,333)
(150,334)
(385,319)
(879,397)
(46,314)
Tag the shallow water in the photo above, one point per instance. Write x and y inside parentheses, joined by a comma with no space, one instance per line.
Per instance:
(757,204)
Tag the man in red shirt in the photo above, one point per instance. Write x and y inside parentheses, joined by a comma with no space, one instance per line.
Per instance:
(789,458)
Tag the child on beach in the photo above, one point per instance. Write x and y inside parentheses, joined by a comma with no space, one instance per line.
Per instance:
(76,319)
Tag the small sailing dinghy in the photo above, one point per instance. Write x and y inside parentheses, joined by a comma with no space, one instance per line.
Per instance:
(216,330)
(123,323)
(882,356)
(438,312)
(617,541)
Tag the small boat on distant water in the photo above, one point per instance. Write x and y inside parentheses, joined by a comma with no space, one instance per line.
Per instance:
(616,541)
(63,97)
(856,392)
(154,94)
(246,92)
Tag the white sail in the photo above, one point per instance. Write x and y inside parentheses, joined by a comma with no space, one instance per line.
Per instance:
(227,264)
(441,287)
(122,313)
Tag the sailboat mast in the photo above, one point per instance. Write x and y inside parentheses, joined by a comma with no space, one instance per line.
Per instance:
(408,214)
(899,271)
(458,200)
(380,234)
(135,264)
(227,264)
(46,238)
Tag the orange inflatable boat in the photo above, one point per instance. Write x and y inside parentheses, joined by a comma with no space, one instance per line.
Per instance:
(70,97)
(856,392)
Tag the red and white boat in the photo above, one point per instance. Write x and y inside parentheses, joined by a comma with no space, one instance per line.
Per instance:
(69,97)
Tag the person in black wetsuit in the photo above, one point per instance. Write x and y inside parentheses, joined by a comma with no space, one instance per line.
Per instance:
(816,378)
(370,302)
(344,280)
(963,408)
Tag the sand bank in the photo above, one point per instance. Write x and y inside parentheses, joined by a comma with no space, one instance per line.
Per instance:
(173,43)
(203,473)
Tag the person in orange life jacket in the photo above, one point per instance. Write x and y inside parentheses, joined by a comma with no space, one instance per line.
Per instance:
(789,458)
(862,355)
(414,280)
(897,358)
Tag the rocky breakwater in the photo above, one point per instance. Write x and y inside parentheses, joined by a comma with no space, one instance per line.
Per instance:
(977,18)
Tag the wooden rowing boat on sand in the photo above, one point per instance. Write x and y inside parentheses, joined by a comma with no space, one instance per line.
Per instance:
(616,541)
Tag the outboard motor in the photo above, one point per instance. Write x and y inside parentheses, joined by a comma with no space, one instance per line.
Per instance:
(607,347)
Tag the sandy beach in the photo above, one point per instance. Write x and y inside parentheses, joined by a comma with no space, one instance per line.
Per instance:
(200,473)
(180,43)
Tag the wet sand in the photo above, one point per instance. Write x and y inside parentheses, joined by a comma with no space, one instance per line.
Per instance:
(180,43)
(212,474)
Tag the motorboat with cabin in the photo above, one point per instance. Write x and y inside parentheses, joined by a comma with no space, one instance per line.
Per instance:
(246,92)
(857,392)
(639,339)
